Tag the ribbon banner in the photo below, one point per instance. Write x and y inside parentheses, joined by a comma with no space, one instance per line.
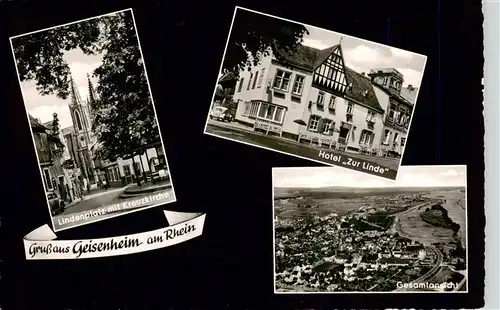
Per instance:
(40,243)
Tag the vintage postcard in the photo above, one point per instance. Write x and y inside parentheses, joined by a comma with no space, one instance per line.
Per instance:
(315,94)
(92,118)
(338,231)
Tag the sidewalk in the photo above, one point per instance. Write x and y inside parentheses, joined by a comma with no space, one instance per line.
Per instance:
(392,163)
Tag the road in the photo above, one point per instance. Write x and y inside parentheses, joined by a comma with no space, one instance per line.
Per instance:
(428,275)
(94,201)
(74,215)
(237,132)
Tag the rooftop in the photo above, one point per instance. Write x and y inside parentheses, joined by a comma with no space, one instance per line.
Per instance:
(387,71)
(36,126)
(309,58)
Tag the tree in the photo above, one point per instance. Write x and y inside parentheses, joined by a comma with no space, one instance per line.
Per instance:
(124,116)
(254,35)
(39,56)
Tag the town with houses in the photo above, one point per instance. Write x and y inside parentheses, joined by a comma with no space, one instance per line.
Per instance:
(74,173)
(363,250)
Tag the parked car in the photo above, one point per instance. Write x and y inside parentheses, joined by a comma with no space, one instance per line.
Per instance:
(221,114)
(56,204)
(160,175)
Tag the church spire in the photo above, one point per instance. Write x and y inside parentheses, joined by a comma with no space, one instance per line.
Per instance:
(75,96)
(92,94)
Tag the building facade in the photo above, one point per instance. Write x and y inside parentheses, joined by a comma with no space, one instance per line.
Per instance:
(388,86)
(53,156)
(82,130)
(83,146)
(311,96)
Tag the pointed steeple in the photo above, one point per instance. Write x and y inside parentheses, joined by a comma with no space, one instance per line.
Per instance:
(75,96)
(92,94)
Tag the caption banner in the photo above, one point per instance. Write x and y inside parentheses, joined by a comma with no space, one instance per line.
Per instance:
(40,243)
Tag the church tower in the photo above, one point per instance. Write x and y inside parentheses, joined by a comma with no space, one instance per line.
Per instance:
(80,115)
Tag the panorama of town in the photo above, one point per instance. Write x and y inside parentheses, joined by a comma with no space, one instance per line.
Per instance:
(373,240)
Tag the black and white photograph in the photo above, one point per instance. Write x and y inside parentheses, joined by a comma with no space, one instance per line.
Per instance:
(337,231)
(315,94)
(92,119)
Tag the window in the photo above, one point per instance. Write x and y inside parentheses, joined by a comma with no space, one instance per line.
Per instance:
(387,136)
(264,111)
(321,98)
(313,123)
(241,85)
(254,108)
(247,108)
(261,78)
(271,112)
(370,117)
(112,174)
(109,175)
(256,75)
(278,115)
(331,104)
(46,179)
(395,141)
(282,80)
(137,167)
(78,120)
(298,85)
(386,81)
(249,81)
(366,137)
(126,170)
(350,108)
(392,112)
(326,126)
(403,140)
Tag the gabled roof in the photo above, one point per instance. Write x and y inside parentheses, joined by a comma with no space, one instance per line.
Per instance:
(309,58)
(35,125)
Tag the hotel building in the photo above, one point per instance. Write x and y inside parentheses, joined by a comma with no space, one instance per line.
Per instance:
(388,86)
(311,96)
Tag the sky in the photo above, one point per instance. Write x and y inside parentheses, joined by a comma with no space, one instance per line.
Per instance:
(362,56)
(42,107)
(408,176)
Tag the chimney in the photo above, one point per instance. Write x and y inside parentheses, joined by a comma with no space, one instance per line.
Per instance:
(363,74)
